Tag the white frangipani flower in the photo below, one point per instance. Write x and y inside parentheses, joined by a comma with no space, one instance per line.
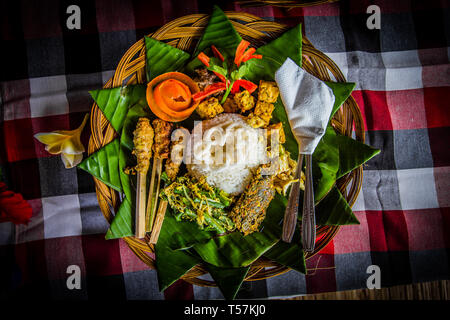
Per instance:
(65,142)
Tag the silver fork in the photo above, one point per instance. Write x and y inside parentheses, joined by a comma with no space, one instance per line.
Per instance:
(308,216)
(290,215)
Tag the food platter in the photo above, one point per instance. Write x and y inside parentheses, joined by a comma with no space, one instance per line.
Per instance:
(183,33)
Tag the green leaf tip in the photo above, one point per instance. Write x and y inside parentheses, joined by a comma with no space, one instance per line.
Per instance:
(104,165)
(219,32)
(162,57)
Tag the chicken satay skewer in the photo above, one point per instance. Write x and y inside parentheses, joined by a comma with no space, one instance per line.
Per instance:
(143,140)
(172,167)
(161,152)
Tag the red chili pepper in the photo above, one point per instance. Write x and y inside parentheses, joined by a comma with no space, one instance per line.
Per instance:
(240,51)
(247,54)
(247,85)
(255,56)
(203,58)
(220,76)
(217,53)
(209,90)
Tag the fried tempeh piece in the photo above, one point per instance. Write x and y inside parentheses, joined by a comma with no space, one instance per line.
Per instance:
(267,96)
(262,114)
(250,209)
(244,100)
(209,108)
(268,91)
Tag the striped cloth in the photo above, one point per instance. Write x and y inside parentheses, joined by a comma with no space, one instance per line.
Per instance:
(402,73)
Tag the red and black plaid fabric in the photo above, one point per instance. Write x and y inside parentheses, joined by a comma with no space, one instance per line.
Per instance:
(402,73)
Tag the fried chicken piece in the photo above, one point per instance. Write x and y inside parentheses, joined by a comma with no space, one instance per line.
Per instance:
(230,105)
(162,138)
(244,100)
(176,156)
(286,173)
(282,186)
(250,209)
(143,140)
(262,114)
(268,91)
(255,121)
(277,127)
(209,108)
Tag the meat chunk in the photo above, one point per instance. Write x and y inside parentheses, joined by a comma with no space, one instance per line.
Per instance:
(162,138)
(176,156)
(230,105)
(209,108)
(143,140)
(204,78)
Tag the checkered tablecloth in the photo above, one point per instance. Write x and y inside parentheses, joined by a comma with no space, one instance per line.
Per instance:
(402,73)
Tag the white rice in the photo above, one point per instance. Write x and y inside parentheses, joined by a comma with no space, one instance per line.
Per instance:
(227,151)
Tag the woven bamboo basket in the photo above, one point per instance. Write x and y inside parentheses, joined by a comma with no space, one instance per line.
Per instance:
(183,33)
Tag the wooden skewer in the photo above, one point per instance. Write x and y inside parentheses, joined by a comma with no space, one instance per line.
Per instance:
(158,173)
(149,222)
(159,219)
(140,204)
(152,203)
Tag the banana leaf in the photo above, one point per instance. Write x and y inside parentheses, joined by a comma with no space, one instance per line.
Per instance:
(183,234)
(325,164)
(289,254)
(122,224)
(288,45)
(334,210)
(352,154)
(341,91)
(228,280)
(114,102)
(162,58)
(103,164)
(171,264)
(219,32)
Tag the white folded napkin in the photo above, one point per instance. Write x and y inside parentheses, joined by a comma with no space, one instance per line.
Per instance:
(308,102)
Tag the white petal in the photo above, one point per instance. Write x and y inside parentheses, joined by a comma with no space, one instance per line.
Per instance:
(71,160)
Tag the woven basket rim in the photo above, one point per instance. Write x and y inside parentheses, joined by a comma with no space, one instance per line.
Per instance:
(130,67)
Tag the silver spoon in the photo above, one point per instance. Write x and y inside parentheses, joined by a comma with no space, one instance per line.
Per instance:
(308,217)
